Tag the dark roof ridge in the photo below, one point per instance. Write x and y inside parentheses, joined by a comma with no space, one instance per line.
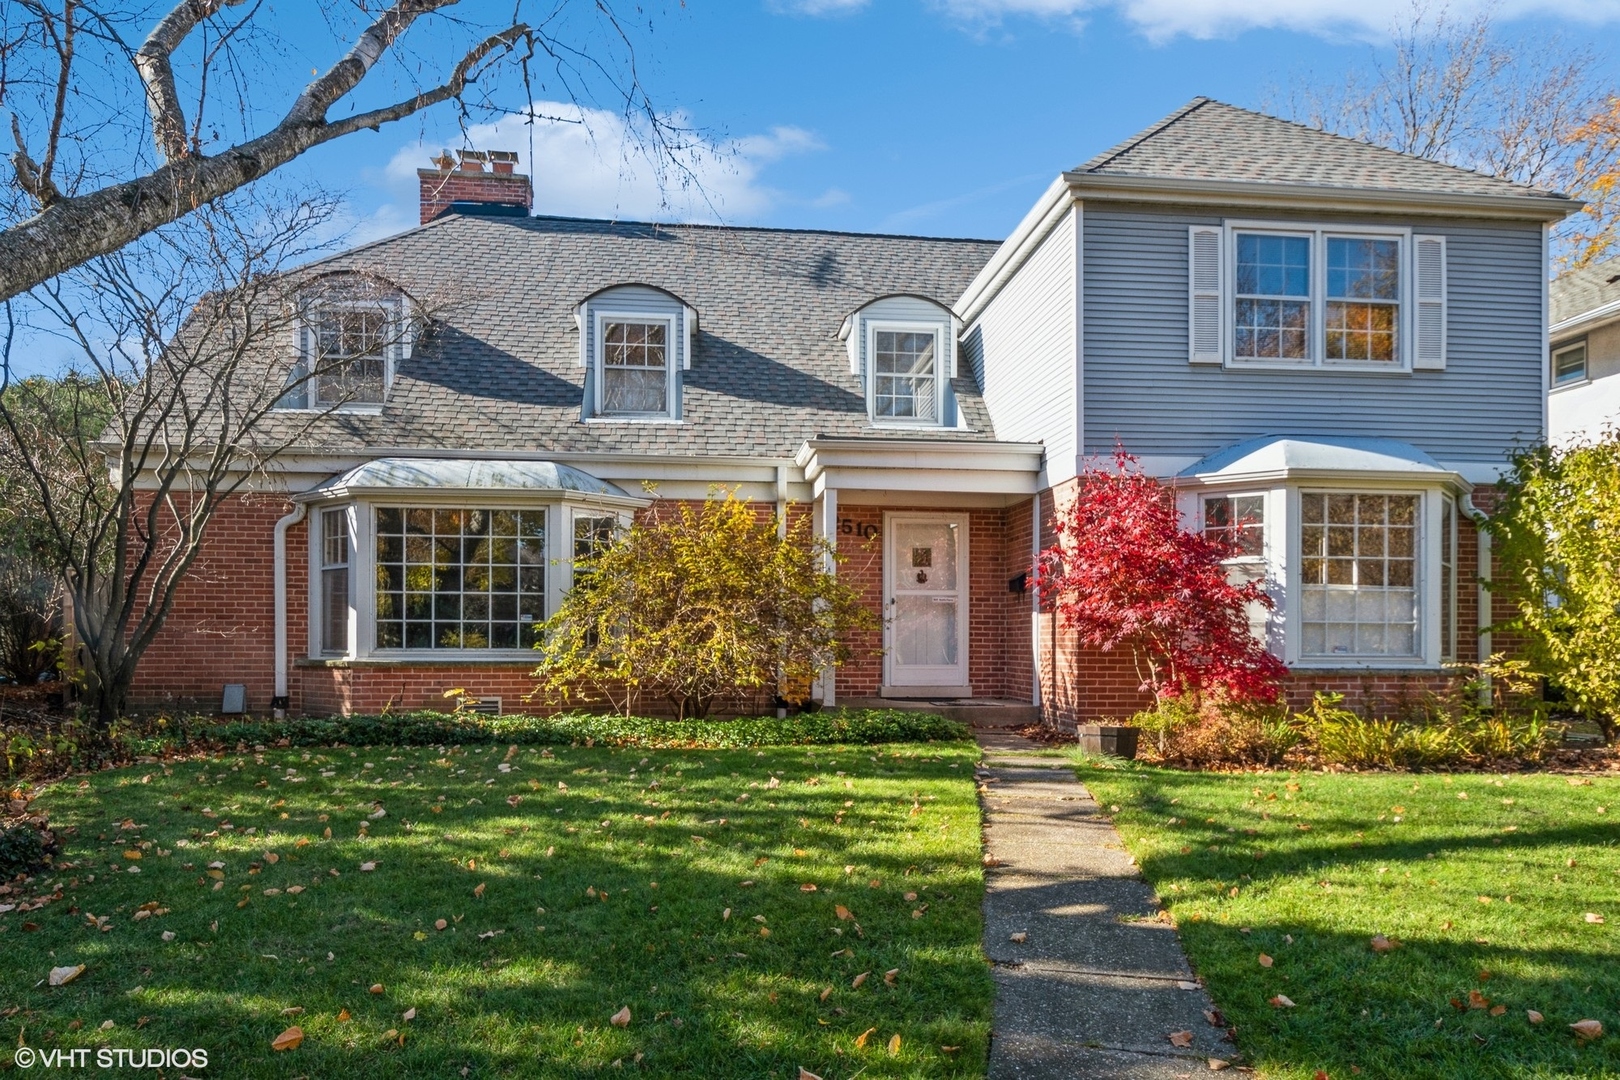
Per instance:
(720,227)
(1118,149)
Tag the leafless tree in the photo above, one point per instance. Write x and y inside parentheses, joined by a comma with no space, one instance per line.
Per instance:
(74,72)
(1455,90)
(186,344)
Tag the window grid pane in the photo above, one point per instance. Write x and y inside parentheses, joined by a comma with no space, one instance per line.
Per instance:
(349,355)
(1358,575)
(1273,316)
(1238,518)
(1363,299)
(335,581)
(460,578)
(904,385)
(635,367)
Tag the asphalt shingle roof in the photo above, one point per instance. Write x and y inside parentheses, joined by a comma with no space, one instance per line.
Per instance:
(1580,291)
(500,370)
(1211,140)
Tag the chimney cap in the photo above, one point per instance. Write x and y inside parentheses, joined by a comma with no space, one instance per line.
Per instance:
(503,155)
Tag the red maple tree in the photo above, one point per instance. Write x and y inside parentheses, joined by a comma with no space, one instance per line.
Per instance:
(1125,574)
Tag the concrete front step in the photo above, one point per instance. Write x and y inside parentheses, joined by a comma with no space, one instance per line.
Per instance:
(977,712)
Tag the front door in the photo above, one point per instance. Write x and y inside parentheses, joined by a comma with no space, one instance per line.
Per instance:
(925,572)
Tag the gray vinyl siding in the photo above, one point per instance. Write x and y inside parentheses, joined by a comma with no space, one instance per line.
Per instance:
(910,309)
(634,300)
(1139,387)
(1022,350)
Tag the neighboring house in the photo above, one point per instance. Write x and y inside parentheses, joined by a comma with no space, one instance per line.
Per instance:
(1583,397)
(1332,343)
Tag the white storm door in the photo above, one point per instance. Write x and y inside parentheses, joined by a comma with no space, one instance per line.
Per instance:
(925,582)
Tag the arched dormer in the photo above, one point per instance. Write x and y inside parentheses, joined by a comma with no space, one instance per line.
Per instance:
(903,349)
(351,330)
(634,341)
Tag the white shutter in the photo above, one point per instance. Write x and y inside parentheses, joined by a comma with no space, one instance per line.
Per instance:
(1429,292)
(1205,304)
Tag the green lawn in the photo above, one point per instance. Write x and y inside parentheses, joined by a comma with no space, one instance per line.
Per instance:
(571,886)
(1483,884)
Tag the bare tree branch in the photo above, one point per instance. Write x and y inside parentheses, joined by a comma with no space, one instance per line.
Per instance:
(157,73)
(68,231)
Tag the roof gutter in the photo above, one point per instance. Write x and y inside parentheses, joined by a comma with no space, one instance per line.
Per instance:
(1042,218)
(1318,197)
(1586,320)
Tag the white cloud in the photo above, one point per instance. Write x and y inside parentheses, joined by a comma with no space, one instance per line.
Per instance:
(1162,19)
(816,7)
(590,163)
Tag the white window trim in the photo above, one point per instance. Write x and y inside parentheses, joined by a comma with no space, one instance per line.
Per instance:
(939,330)
(1319,235)
(600,319)
(1553,385)
(395,344)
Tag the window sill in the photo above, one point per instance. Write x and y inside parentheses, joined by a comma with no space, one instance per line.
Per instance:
(1573,384)
(506,657)
(1328,665)
(1311,365)
(633,420)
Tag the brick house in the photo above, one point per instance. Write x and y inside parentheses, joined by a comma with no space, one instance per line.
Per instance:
(1330,341)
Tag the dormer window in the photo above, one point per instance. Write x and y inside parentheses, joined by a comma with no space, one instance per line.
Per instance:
(634,376)
(351,355)
(905,374)
(352,332)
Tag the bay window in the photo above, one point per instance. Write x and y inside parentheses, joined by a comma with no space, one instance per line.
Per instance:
(335,548)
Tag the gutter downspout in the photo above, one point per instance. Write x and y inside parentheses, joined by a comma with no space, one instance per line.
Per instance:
(1483,603)
(280,702)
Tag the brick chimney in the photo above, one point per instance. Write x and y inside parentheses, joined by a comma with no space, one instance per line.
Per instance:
(468,181)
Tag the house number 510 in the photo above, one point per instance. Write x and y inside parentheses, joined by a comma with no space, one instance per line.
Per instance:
(866,532)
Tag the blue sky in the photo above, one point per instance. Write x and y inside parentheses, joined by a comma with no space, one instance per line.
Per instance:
(940,117)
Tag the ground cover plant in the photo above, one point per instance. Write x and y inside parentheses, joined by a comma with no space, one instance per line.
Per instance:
(1414,921)
(489,910)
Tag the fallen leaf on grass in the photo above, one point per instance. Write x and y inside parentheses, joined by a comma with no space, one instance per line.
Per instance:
(808,886)
(894,1044)
(479,891)
(61,976)
(860,1040)
(367,867)
(1593,917)
(343,1016)
(1533,1016)
(891,975)
(1281,1001)
(1181,1038)
(621,1018)
(1587,1030)
(410,1014)
(842,912)
(1477,1000)
(806,1074)
(1266,961)
(1381,944)
(291,1039)
(856,982)
(1498,1010)
(725,916)
(376,988)
(439,924)
(827,993)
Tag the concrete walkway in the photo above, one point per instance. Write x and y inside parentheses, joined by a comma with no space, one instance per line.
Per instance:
(1097,984)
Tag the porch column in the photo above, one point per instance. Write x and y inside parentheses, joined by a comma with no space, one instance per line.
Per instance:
(827,526)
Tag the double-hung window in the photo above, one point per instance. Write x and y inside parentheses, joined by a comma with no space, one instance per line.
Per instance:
(1569,364)
(906,383)
(335,555)
(1241,521)
(1318,297)
(1359,575)
(634,372)
(351,354)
